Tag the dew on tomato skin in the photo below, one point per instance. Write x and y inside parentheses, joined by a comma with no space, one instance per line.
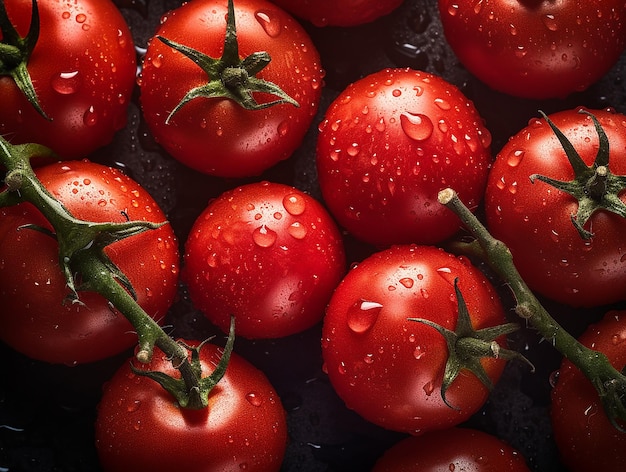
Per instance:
(66,83)
(416,126)
(362,315)
(429,388)
(297,230)
(264,236)
(294,204)
(254,399)
(90,117)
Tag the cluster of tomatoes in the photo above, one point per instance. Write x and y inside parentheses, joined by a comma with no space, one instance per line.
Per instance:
(350,243)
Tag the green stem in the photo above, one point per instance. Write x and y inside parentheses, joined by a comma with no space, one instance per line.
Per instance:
(608,381)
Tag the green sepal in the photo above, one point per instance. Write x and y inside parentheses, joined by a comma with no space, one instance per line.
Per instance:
(15,51)
(467,346)
(594,187)
(230,77)
(192,390)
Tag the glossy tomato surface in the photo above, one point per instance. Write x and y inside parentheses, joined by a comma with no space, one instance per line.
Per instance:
(389,369)
(454,449)
(338,12)
(36,319)
(215,135)
(583,433)
(535,219)
(536,49)
(83,69)
(266,253)
(141,426)
(388,144)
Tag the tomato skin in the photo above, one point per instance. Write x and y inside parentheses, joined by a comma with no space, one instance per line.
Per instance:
(217,136)
(585,437)
(453,449)
(339,12)
(388,144)
(534,220)
(85,94)
(268,254)
(34,319)
(389,369)
(140,426)
(539,49)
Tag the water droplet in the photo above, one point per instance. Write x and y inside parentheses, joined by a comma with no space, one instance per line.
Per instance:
(416,126)
(396,92)
(66,83)
(550,22)
(269,22)
(362,315)
(418,352)
(283,128)
(429,388)
(254,399)
(297,230)
(407,282)
(90,117)
(81,18)
(263,236)
(294,204)
(442,104)
(133,406)
(515,157)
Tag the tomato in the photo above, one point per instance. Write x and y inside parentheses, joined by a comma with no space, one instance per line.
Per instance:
(390,369)
(35,319)
(83,70)
(585,437)
(267,253)
(535,219)
(453,449)
(339,13)
(536,49)
(141,427)
(388,144)
(217,136)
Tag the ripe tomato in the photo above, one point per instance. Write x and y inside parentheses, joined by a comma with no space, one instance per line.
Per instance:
(268,254)
(388,144)
(390,369)
(34,318)
(535,219)
(453,449)
(339,12)
(141,427)
(585,437)
(216,135)
(536,49)
(83,70)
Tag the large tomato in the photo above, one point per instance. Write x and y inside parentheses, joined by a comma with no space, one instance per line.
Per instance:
(141,427)
(536,49)
(266,253)
(535,219)
(339,12)
(35,319)
(83,70)
(217,135)
(389,369)
(388,144)
(453,449)
(585,437)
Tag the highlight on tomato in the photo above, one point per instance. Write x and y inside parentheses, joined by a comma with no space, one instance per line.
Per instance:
(37,317)
(230,90)
(267,253)
(388,144)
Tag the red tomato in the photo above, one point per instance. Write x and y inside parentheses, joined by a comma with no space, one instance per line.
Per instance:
(535,219)
(388,144)
(453,449)
(216,135)
(585,437)
(83,69)
(268,254)
(389,369)
(536,49)
(339,12)
(141,427)
(34,318)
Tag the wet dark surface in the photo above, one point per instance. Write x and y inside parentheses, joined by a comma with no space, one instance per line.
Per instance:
(47,412)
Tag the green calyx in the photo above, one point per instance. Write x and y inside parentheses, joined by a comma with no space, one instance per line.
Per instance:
(595,187)
(196,397)
(230,76)
(15,52)
(467,346)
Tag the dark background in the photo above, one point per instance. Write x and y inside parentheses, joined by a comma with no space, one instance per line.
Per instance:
(47,412)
